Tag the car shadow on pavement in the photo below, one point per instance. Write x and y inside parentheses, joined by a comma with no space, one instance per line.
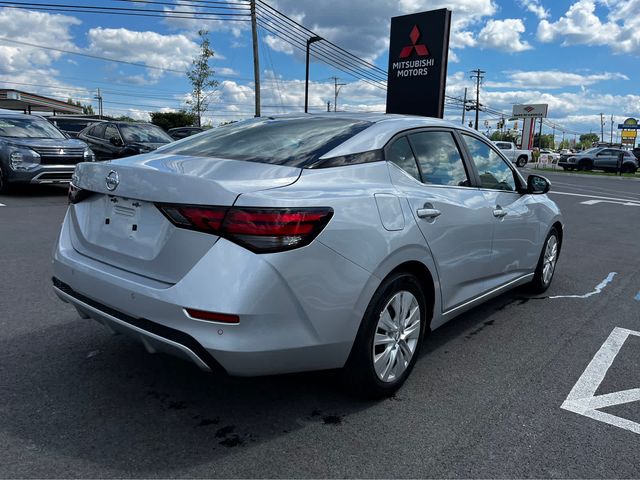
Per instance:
(74,391)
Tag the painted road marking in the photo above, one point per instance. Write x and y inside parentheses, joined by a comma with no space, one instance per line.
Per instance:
(593,202)
(2,205)
(582,398)
(597,290)
(637,297)
(596,196)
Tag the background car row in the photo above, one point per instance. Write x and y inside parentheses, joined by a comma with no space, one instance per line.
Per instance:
(36,151)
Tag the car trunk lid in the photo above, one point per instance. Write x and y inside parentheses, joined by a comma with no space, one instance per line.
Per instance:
(121,226)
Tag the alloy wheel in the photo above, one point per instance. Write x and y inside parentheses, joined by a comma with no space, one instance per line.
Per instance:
(550,259)
(396,336)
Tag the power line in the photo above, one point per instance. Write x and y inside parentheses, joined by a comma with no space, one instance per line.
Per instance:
(286,38)
(324,48)
(311,33)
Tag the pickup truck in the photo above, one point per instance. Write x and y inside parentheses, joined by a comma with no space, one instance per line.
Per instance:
(519,157)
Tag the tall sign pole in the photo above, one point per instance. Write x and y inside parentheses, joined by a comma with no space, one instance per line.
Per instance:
(418,56)
(256,59)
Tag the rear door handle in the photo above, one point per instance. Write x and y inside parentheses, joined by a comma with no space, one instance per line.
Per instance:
(428,213)
(498,212)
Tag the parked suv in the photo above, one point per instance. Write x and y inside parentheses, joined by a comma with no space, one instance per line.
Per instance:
(72,125)
(34,151)
(600,158)
(123,139)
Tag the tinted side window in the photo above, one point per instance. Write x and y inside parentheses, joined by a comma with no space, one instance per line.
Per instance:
(111,131)
(493,170)
(439,159)
(400,153)
(98,130)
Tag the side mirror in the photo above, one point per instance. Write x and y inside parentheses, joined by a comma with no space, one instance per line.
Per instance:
(115,141)
(537,185)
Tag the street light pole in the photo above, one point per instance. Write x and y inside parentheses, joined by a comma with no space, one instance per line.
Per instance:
(310,40)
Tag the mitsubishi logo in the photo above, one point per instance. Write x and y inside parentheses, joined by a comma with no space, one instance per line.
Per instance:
(420,48)
(112,180)
(61,151)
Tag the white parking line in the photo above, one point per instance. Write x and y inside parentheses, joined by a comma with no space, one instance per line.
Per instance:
(596,196)
(615,202)
(583,399)
(2,205)
(597,290)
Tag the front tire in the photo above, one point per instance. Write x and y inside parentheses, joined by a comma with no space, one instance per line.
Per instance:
(388,342)
(547,263)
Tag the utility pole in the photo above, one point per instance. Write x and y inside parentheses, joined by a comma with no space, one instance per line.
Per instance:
(98,97)
(464,104)
(478,75)
(611,139)
(328,106)
(256,59)
(601,127)
(336,90)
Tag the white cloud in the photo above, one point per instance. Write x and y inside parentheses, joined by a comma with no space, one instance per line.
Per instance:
(552,79)
(38,28)
(535,7)
(581,25)
(149,48)
(503,35)
(342,22)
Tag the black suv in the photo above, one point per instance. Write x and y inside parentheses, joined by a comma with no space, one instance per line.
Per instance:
(34,151)
(121,139)
(71,125)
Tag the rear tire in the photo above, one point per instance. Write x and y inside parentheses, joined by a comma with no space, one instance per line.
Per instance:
(546,263)
(4,185)
(521,161)
(389,339)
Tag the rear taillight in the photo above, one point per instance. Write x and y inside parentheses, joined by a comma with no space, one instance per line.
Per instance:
(261,230)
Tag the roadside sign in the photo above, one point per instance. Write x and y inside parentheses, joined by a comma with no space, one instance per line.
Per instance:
(530,111)
(418,55)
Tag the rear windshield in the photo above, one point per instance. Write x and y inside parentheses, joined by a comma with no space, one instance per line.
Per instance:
(294,142)
(28,128)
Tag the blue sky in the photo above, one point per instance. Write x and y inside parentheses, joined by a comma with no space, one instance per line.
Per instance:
(580,56)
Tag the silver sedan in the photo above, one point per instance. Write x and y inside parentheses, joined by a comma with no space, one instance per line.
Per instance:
(304,242)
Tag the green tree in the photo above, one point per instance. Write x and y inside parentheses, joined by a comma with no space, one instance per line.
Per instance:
(507,136)
(201,77)
(565,144)
(587,140)
(167,120)
(87,109)
(546,141)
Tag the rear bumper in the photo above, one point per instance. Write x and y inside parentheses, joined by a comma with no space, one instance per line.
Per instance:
(155,337)
(298,311)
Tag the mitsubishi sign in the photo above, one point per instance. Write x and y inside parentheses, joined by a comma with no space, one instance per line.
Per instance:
(530,111)
(418,52)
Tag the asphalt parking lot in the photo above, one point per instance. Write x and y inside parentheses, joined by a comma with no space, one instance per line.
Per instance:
(505,390)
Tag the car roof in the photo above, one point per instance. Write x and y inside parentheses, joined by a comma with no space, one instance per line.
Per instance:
(7,114)
(385,126)
(72,117)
